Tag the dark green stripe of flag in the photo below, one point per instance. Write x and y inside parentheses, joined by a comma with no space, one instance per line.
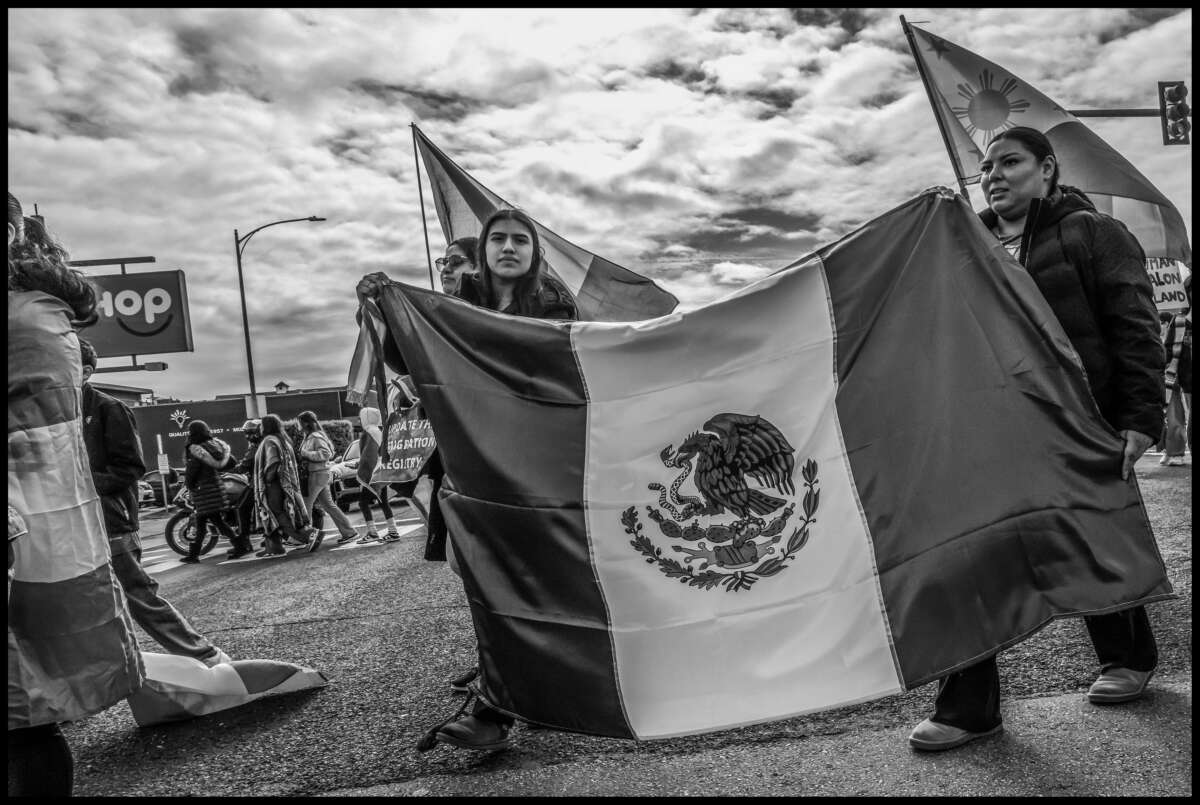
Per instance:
(989,481)
(511,428)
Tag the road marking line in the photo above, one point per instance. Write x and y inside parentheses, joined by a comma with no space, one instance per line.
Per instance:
(401,531)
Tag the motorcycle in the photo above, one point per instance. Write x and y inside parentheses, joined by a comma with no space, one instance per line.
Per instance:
(181,528)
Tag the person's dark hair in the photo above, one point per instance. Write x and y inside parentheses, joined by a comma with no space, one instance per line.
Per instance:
(1037,143)
(38,262)
(272,425)
(529,285)
(469,245)
(198,431)
(87,353)
(309,422)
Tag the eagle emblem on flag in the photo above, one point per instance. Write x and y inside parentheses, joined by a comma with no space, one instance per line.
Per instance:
(721,459)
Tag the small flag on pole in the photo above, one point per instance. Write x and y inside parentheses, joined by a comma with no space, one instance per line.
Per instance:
(603,290)
(975,99)
(854,476)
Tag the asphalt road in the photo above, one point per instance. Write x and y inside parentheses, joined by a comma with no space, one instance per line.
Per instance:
(389,630)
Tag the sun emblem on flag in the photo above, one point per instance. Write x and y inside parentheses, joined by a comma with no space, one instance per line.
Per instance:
(989,109)
(180,416)
(731,534)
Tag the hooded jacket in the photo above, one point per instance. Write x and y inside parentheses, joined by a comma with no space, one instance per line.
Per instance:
(201,475)
(368,443)
(246,465)
(1092,272)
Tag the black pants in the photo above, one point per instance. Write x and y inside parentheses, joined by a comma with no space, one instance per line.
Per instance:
(218,522)
(435,539)
(970,698)
(39,763)
(245,515)
(485,713)
(275,502)
(366,497)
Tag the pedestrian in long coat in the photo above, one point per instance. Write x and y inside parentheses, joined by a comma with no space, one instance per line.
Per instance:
(277,496)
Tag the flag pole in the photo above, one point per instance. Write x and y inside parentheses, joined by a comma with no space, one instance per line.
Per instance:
(421,196)
(958,171)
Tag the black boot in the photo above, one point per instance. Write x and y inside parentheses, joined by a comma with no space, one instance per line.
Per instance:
(241,547)
(273,546)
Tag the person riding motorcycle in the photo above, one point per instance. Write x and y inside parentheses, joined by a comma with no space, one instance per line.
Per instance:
(252,430)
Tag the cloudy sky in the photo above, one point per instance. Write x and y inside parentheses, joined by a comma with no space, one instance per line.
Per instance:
(703,148)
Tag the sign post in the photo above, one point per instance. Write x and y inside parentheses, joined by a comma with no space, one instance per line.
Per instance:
(141,314)
(164,467)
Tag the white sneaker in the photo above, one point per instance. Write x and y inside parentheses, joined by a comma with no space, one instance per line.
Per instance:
(220,658)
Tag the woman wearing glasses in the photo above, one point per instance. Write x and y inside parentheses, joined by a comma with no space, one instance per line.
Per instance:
(459,261)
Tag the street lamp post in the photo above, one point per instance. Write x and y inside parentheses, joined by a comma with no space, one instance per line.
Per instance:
(239,245)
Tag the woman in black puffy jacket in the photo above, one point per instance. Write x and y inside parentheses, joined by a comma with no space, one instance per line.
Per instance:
(204,457)
(1092,272)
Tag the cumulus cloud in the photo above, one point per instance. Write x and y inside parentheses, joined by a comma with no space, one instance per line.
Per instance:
(703,148)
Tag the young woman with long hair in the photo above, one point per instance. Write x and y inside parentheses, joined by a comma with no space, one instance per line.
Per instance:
(317,450)
(1091,271)
(277,497)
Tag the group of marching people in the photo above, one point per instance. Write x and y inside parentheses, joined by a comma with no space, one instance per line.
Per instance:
(288,486)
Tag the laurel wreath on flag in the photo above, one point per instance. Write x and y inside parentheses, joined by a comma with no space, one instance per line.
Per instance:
(742,579)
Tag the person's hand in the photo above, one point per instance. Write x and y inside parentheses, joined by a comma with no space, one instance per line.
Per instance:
(1135,445)
(370,285)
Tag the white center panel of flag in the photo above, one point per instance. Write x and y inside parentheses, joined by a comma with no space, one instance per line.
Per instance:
(722,617)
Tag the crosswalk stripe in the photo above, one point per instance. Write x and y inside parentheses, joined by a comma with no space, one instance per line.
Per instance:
(161,558)
(401,531)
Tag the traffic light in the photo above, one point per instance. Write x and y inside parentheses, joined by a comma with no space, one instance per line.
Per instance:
(1174,113)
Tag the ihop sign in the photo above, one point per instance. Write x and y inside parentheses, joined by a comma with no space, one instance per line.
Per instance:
(141,314)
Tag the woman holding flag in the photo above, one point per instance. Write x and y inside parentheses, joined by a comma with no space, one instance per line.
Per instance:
(1091,271)
(512,278)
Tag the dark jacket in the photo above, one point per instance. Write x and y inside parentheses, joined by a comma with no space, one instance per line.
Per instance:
(246,465)
(115,456)
(553,301)
(202,464)
(1092,271)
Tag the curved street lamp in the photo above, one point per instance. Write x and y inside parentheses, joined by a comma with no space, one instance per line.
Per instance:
(239,245)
